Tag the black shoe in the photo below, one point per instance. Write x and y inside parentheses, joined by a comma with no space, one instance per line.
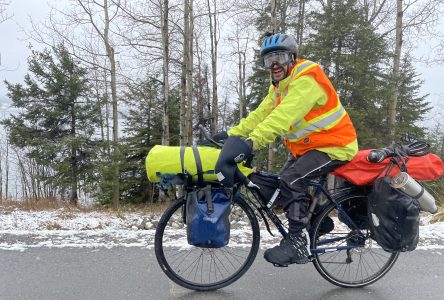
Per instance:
(290,251)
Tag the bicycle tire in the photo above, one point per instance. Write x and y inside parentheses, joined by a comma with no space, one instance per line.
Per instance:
(372,261)
(179,268)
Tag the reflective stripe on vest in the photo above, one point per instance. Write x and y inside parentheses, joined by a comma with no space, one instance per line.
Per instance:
(303,67)
(325,121)
(305,127)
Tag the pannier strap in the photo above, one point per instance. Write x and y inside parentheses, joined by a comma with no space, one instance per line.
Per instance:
(198,165)
(182,159)
(209,199)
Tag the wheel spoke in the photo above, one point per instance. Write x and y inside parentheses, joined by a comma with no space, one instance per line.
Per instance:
(206,268)
(363,263)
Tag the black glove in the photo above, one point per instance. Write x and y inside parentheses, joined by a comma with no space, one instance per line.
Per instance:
(235,150)
(250,144)
(220,137)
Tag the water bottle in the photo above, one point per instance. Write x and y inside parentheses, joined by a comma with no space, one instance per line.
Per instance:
(405,183)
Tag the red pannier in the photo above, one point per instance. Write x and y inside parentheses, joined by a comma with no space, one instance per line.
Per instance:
(360,171)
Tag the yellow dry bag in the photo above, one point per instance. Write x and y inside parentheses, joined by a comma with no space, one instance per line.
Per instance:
(166,160)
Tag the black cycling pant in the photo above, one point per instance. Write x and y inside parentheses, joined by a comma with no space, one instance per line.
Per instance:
(294,176)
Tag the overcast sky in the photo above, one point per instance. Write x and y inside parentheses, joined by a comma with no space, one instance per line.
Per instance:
(14,52)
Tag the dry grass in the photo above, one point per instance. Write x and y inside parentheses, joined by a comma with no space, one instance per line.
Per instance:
(53,226)
(439,216)
(39,204)
(48,204)
(145,209)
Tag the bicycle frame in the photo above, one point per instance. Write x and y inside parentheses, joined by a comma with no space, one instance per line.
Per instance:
(319,189)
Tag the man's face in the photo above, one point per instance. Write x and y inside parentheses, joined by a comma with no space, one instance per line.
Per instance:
(279,72)
(278,63)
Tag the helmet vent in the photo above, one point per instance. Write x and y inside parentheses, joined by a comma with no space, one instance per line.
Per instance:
(277,38)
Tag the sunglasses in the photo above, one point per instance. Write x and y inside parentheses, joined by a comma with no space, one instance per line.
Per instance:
(279,58)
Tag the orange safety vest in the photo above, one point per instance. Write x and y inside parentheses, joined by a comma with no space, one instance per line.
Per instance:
(323,127)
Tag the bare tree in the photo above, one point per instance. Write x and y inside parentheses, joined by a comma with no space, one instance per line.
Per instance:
(301,23)
(84,28)
(165,70)
(272,149)
(186,116)
(241,38)
(190,69)
(4,14)
(4,168)
(395,71)
(104,34)
(1,174)
(414,18)
(213,42)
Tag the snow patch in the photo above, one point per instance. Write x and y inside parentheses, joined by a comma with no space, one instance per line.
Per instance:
(21,230)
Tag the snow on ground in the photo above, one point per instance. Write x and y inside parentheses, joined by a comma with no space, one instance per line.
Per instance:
(21,230)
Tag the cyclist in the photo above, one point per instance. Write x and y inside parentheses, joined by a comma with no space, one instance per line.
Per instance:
(302,107)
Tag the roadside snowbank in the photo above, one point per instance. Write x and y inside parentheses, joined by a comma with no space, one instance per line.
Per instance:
(21,230)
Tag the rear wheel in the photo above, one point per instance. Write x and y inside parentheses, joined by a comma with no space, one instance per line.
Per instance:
(344,256)
(205,269)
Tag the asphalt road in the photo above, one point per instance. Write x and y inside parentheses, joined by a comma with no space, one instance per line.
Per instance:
(133,273)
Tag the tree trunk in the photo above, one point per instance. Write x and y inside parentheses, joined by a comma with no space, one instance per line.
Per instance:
(165,68)
(301,20)
(199,90)
(190,75)
(100,106)
(73,198)
(272,146)
(108,138)
(7,171)
(395,73)
(273,23)
(241,70)
(213,41)
(1,176)
(184,90)
(116,151)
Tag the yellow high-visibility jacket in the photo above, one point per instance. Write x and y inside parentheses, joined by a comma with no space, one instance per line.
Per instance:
(304,109)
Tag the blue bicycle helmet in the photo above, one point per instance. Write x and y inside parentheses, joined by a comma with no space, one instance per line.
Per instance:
(278,42)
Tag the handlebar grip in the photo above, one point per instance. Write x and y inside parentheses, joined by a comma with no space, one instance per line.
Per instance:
(378,155)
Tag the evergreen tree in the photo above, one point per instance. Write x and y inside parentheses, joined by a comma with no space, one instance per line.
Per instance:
(412,107)
(56,119)
(141,133)
(353,55)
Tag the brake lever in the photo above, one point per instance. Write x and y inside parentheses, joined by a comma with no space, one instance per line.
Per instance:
(208,136)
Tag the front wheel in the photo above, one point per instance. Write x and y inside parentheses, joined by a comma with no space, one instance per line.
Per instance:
(205,269)
(343,254)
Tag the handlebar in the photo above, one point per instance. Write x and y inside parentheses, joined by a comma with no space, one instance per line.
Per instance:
(208,137)
(417,148)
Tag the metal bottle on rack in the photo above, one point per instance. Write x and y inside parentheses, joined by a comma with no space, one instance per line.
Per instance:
(405,183)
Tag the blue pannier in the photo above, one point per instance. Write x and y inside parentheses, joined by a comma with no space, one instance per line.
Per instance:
(207,216)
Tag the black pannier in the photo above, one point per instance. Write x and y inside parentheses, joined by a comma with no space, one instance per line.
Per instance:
(268,184)
(393,217)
